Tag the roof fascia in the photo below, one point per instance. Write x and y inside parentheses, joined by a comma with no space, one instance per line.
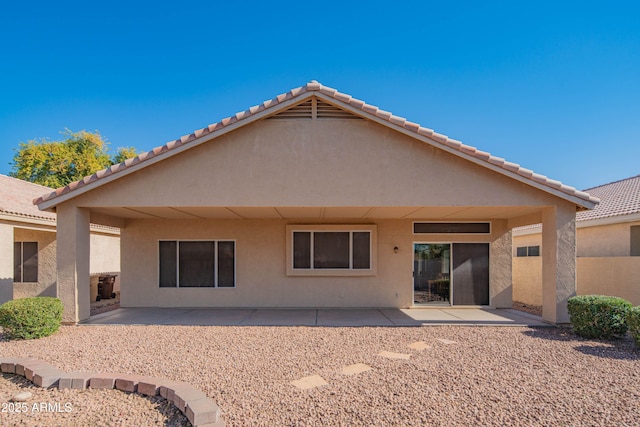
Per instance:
(619,219)
(23,219)
(576,200)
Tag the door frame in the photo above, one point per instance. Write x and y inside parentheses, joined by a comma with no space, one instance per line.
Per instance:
(413,289)
(451,280)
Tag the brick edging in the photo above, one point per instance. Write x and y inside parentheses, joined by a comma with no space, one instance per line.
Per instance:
(199,409)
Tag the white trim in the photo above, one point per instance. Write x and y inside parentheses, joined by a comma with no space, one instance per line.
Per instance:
(319,228)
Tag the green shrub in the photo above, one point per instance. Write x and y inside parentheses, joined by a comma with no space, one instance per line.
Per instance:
(28,318)
(633,321)
(599,316)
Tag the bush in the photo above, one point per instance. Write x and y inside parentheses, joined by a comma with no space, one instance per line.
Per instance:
(28,318)
(599,316)
(633,321)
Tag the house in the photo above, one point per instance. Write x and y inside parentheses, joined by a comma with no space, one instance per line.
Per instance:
(28,243)
(316,199)
(608,247)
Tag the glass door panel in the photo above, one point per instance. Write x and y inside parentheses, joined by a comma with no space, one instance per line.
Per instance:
(431,274)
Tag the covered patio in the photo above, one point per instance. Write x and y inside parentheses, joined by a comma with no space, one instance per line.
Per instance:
(317,317)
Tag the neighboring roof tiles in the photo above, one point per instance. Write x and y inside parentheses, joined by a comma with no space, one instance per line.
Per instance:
(617,198)
(16,198)
(362,108)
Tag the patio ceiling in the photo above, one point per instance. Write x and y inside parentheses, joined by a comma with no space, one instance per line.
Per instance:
(318,213)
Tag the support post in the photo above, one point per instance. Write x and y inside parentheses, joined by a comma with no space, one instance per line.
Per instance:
(73,262)
(558,262)
(500,271)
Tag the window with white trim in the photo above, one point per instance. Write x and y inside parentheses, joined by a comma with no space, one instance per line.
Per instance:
(196,263)
(321,250)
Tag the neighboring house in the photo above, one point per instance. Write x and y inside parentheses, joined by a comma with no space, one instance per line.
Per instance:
(28,243)
(315,199)
(608,247)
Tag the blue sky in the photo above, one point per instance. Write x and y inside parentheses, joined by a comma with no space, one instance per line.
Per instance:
(551,85)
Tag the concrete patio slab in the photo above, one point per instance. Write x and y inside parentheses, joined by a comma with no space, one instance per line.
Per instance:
(352,317)
(280,317)
(316,317)
(208,317)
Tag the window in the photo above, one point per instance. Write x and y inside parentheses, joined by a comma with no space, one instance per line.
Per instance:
(25,261)
(331,250)
(451,227)
(635,240)
(196,264)
(523,251)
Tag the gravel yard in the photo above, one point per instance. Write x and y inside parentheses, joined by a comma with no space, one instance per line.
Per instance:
(488,376)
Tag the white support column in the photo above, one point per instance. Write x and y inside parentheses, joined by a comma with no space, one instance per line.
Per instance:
(6,263)
(73,262)
(558,262)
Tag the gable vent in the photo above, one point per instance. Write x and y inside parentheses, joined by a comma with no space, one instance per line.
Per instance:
(314,108)
(328,111)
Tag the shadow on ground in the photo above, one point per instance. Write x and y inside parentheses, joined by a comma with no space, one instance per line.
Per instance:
(619,349)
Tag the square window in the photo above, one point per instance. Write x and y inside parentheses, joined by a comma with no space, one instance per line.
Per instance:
(331,250)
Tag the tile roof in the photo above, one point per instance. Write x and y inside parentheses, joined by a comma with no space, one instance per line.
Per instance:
(16,198)
(617,198)
(355,105)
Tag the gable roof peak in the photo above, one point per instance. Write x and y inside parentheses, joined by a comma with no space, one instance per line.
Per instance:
(343,100)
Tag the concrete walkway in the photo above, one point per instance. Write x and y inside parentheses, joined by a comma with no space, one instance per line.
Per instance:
(316,317)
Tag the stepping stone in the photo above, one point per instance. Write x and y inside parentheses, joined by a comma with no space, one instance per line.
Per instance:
(443,341)
(419,345)
(391,355)
(309,382)
(355,369)
(23,396)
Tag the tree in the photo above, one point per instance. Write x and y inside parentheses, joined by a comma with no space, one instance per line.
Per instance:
(57,163)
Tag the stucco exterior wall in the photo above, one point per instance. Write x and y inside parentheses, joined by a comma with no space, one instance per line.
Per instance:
(46,285)
(261,279)
(526,240)
(527,280)
(603,267)
(314,163)
(615,276)
(6,263)
(105,253)
(606,240)
(500,266)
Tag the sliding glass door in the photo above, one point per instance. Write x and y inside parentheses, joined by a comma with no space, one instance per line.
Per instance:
(451,274)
